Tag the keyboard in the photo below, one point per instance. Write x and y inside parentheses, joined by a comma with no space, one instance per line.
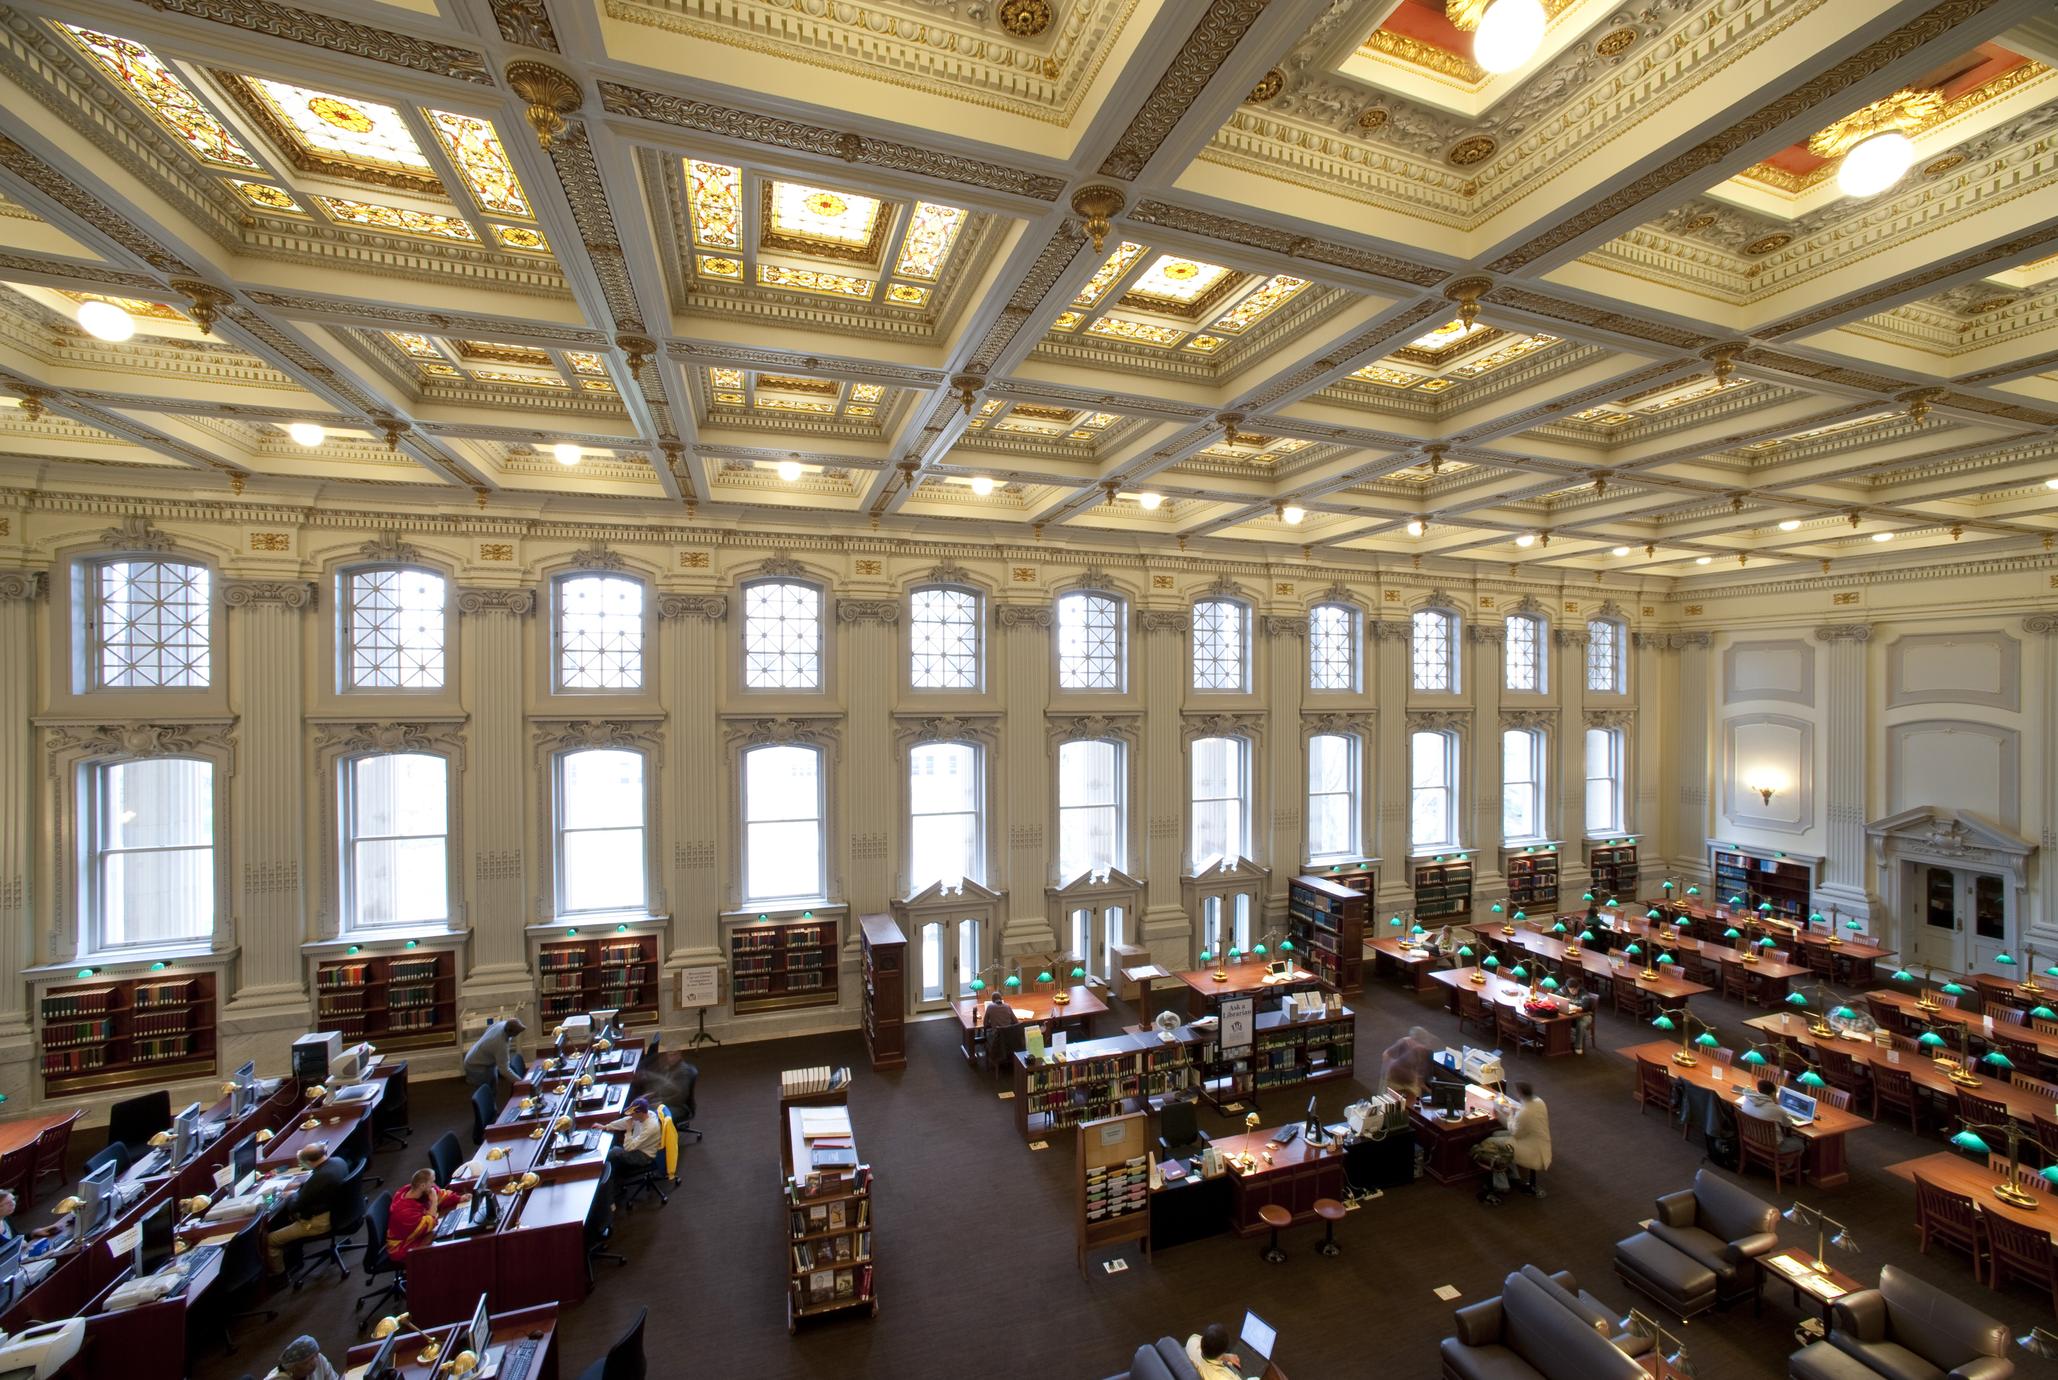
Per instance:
(152,1163)
(515,1361)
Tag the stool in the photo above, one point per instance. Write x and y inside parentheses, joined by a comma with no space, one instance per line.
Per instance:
(1331,1212)
(1275,1217)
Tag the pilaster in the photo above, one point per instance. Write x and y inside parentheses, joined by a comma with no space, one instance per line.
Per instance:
(1692,739)
(1488,641)
(1286,751)
(866,627)
(1387,642)
(497,803)
(1569,751)
(1844,719)
(1023,659)
(691,629)
(2041,924)
(1163,660)
(21,596)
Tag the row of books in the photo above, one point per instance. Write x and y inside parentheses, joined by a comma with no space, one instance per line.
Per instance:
(850,1248)
(852,1284)
(70,1004)
(75,1060)
(821,1078)
(779,937)
(76,1033)
(854,1214)
(164,994)
(343,975)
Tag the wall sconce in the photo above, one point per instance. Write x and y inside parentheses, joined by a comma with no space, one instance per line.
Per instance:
(1767,784)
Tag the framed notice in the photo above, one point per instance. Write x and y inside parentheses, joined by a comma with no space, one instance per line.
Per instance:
(1239,1017)
(700,986)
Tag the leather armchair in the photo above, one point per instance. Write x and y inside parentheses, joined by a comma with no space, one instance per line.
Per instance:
(1529,1332)
(1719,1225)
(1908,1330)
(1164,1359)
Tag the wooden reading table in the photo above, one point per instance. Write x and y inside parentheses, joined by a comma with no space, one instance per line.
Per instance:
(2023,1105)
(1030,1008)
(1556,1030)
(1399,959)
(537,1325)
(1823,1162)
(1975,1022)
(1957,1174)
(1252,977)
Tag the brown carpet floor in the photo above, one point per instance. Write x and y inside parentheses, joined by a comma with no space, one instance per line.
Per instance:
(976,1272)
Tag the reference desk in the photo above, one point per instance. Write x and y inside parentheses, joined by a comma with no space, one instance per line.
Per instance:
(1823,1162)
(1204,991)
(1398,959)
(1293,1177)
(536,1327)
(1074,1015)
(535,1253)
(1447,1141)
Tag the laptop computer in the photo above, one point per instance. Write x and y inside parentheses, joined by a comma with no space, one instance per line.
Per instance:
(1255,1343)
(1799,1107)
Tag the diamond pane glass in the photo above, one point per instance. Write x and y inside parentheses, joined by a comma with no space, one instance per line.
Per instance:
(782,636)
(153,851)
(1524,660)
(1219,815)
(1332,795)
(1432,646)
(1090,643)
(1218,644)
(782,823)
(600,830)
(1332,647)
(151,624)
(394,622)
(1604,656)
(943,639)
(943,814)
(600,633)
(1089,808)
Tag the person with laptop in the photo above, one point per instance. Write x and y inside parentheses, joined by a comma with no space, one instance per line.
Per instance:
(1763,1103)
(1209,1352)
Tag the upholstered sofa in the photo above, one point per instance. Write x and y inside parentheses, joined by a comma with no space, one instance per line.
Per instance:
(1540,1326)
(1700,1249)
(1164,1359)
(1905,1330)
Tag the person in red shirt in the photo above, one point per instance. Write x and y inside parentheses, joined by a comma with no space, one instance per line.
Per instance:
(414,1212)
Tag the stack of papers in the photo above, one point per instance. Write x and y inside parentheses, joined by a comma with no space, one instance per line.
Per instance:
(825,1123)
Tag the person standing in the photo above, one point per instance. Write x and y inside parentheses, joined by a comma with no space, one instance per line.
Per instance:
(487,1061)
(1530,1131)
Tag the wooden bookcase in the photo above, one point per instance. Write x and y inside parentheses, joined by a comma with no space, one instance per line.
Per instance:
(1326,922)
(1443,889)
(608,973)
(774,967)
(1284,1052)
(1756,877)
(1614,871)
(397,1001)
(1097,1079)
(828,1238)
(114,1034)
(1532,881)
(1114,1183)
(1358,876)
(883,971)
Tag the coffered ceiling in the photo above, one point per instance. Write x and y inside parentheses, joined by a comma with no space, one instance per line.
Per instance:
(1204,274)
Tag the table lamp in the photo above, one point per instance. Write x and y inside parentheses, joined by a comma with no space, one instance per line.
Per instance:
(2029,986)
(1064,994)
(1675,1362)
(1804,1213)
(1678,1018)
(387,1326)
(2010,1192)
(2040,1341)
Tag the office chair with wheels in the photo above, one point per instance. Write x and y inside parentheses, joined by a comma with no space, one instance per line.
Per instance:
(377,1263)
(389,1121)
(600,1223)
(445,1155)
(624,1360)
(516,1064)
(483,1113)
(239,1282)
(1179,1132)
(651,1180)
(131,1123)
(689,1078)
(343,1224)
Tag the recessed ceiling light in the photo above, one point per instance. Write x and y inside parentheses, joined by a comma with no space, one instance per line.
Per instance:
(1882,536)
(1293,513)
(1702,560)
(1150,502)
(566,453)
(1621,551)
(1875,164)
(789,470)
(982,485)
(1526,539)
(1509,34)
(1790,525)
(306,433)
(2051,483)
(1416,529)
(105,321)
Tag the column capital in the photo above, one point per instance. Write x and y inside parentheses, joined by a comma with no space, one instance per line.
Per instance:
(285,594)
(1164,620)
(514,601)
(2045,623)
(1844,632)
(1387,630)
(23,584)
(712,608)
(1025,616)
(884,611)
(1495,632)
(1277,626)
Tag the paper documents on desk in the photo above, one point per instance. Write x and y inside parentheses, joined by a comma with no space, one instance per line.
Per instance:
(817,1123)
(1814,1281)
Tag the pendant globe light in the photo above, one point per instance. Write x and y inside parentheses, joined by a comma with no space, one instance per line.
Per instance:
(1509,34)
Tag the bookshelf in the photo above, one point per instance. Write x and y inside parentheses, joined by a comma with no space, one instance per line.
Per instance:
(613,972)
(1613,866)
(1443,888)
(1285,1051)
(775,967)
(1358,876)
(828,1245)
(113,1034)
(397,1001)
(1326,922)
(883,971)
(1532,881)
(1114,1183)
(1756,877)
(1098,1078)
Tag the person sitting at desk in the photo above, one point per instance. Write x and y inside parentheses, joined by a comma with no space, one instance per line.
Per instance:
(7,1231)
(1574,994)
(1763,1103)
(302,1360)
(487,1061)
(412,1217)
(308,1210)
(1209,1351)
(643,1139)
(1404,1067)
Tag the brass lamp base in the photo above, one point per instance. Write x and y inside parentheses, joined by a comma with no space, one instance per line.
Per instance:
(1478,977)
(1964,1079)
(2014,1196)
(1750,956)
(1060,997)
(1926,1003)
(2029,987)
(1820,1266)
(1221,975)
(1822,1029)
(1684,1059)
(1572,951)
(1648,974)
(1832,938)
(1508,929)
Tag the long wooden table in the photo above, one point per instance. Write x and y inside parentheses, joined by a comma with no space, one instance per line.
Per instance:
(1042,1008)
(1613,967)
(1556,1030)
(1957,1174)
(1252,977)
(1973,1020)
(1824,1163)
(1399,959)
(19,1131)
(2023,1105)
(538,1325)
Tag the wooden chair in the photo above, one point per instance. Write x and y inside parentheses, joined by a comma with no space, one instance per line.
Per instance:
(2021,1053)
(1758,1142)
(2043,1027)
(1818,960)
(1472,1011)
(1984,1111)
(2048,1091)
(18,1176)
(1842,1070)
(2046,1130)
(1513,1033)
(52,1147)
(1653,1086)
(1886,1015)
(1631,1000)
(1839,1098)
(1893,1090)
(2002,1011)
(1781,955)
(1951,1219)
(2024,1253)
(1736,983)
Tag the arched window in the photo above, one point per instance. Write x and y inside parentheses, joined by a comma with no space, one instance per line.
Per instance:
(1221,645)
(1524,659)
(782,636)
(946,833)
(1433,796)
(599,633)
(1522,784)
(600,821)
(1604,661)
(1092,642)
(1434,645)
(944,643)
(1333,631)
(149,827)
(1221,799)
(1332,796)
(783,858)
(1604,781)
(395,810)
(392,628)
(1092,808)
(148,624)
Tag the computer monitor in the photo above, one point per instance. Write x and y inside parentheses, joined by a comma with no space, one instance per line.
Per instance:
(381,1366)
(245,1096)
(1312,1125)
(154,1244)
(315,1054)
(1446,1095)
(10,1269)
(243,1160)
(1258,1338)
(484,1207)
(96,1189)
(185,1133)
(480,1334)
(1798,1103)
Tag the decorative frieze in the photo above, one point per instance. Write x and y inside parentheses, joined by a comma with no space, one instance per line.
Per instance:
(352,739)
(135,534)
(389,549)
(1357,721)
(1845,632)
(1079,728)
(1536,719)
(597,557)
(1196,726)
(1439,720)
(577,734)
(143,740)
(946,728)
(813,732)
(1611,718)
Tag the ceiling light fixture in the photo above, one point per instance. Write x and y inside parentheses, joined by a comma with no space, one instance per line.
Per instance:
(789,470)
(982,485)
(105,321)
(1874,142)
(565,453)
(1526,539)
(1509,34)
(1150,501)
(1882,536)
(306,433)
(1790,525)
(1703,560)
(1416,527)
(1621,551)
(2051,483)
(1293,513)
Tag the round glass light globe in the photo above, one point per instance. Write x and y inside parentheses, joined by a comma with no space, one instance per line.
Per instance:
(106,321)
(306,433)
(1876,164)
(789,470)
(1293,514)
(982,485)
(565,453)
(1150,502)
(1509,34)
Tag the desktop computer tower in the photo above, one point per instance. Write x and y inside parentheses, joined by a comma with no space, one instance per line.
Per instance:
(314,1055)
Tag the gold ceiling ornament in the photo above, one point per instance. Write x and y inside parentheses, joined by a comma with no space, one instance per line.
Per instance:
(1904,112)
(393,428)
(1918,402)
(207,300)
(1369,120)
(479,497)
(1855,518)
(1543,538)
(1477,149)
(1743,558)
(1025,18)
(236,482)
(1765,244)
(1723,358)
(1269,85)
(1615,43)
(1466,292)
(1600,483)
(1436,454)
(1942,165)
(1736,503)
(551,95)
(1957,530)
(31,404)
(1229,422)
(1650,549)
(1465,15)
(638,349)
(966,387)
(1825,565)
(1097,205)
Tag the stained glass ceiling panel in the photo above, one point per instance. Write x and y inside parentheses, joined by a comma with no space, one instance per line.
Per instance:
(361,132)
(1450,333)
(826,217)
(158,90)
(932,230)
(1118,263)
(481,160)
(1176,279)
(715,197)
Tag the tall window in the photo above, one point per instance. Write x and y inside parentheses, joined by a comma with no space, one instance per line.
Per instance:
(1221,798)
(943,639)
(1604,780)
(1091,808)
(150,625)
(149,827)
(1091,648)
(599,633)
(396,845)
(393,628)
(1333,647)
(1221,645)
(782,636)
(1522,783)
(1332,796)
(945,840)
(600,853)
(1524,658)
(1604,656)
(782,824)
(1433,813)
(1435,647)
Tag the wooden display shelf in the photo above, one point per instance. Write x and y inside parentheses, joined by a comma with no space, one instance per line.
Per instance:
(1114,1183)
(97,1036)
(1098,1078)
(1326,921)
(1286,1051)
(612,972)
(883,972)
(777,967)
(1614,871)
(397,1001)
(1443,889)
(1532,881)
(1757,878)
(831,1261)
